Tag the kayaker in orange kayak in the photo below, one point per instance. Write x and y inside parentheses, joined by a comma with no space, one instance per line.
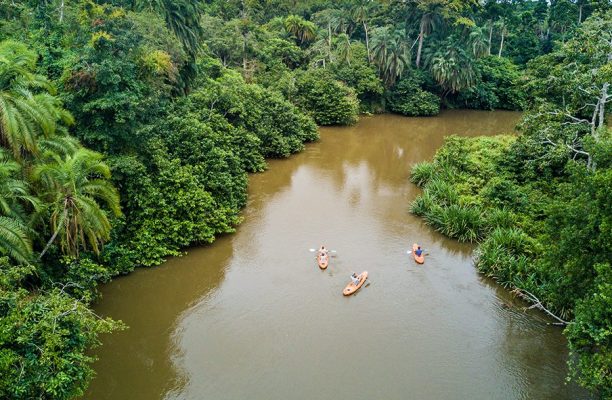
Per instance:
(322,257)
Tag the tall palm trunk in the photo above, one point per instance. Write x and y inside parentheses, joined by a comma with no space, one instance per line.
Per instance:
(365,28)
(244,53)
(418,58)
(501,44)
(490,37)
(329,43)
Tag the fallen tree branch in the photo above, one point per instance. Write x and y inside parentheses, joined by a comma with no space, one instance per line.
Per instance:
(538,304)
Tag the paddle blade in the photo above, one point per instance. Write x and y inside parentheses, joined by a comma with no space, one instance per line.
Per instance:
(409,252)
(311,250)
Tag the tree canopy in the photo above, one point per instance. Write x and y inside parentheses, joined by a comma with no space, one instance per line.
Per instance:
(128,128)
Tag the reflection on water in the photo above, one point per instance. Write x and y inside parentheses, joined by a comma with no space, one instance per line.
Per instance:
(136,363)
(252,316)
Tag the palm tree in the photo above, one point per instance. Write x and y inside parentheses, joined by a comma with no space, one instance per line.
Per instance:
(14,192)
(73,187)
(478,41)
(426,26)
(14,240)
(304,31)
(389,53)
(341,22)
(343,48)
(182,17)
(28,108)
(360,14)
(333,21)
(318,52)
(435,12)
(452,68)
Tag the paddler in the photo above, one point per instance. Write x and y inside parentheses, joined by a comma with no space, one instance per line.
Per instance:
(418,251)
(323,251)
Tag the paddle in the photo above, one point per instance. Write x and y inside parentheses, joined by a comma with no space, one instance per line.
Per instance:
(329,251)
(424,251)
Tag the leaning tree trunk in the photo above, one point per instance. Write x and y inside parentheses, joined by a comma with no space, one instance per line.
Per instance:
(63,218)
(418,58)
(580,14)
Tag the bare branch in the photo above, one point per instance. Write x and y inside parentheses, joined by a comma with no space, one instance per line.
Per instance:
(537,304)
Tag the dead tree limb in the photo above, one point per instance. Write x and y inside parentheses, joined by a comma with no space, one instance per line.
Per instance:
(538,304)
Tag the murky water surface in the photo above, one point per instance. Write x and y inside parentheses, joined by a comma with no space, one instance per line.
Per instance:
(252,316)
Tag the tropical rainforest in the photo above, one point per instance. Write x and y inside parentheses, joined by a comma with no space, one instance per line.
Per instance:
(128,129)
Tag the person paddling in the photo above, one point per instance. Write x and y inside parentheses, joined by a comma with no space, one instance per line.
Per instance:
(418,251)
(355,278)
(323,252)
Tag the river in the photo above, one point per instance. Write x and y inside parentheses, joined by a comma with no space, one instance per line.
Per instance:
(253,317)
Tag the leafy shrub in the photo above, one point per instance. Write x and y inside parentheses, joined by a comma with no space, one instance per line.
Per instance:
(498,87)
(44,337)
(500,218)
(500,191)
(328,101)
(590,336)
(407,98)
(362,77)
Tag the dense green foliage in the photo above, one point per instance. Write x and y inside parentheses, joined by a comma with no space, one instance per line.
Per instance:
(43,339)
(177,100)
(539,204)
(330,102)
(407,97)
(497,87)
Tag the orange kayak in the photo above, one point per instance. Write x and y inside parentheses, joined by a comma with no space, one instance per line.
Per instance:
(352,288)
(323,260)
(419,259)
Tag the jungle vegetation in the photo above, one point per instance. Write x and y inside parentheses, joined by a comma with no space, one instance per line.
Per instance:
(128,128)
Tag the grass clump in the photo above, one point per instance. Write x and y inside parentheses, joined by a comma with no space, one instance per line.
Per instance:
(422,173)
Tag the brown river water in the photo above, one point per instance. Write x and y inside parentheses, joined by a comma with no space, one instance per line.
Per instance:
(253,317)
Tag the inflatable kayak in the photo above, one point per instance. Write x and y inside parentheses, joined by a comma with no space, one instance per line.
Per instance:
(419,259)
(352,288)
(323,260)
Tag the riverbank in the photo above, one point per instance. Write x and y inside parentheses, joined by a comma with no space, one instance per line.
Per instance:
(542,238)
